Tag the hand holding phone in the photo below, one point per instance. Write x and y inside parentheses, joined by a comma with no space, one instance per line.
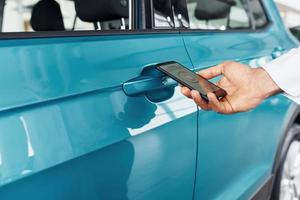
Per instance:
(190,79)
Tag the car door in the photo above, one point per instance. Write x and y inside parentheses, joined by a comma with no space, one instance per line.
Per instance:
(84,114)
(236,152)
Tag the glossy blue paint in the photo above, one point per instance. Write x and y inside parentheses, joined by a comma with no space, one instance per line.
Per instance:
(236,153)
(68,131)
(152,84)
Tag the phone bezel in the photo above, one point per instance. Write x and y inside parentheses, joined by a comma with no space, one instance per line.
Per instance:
(220,93)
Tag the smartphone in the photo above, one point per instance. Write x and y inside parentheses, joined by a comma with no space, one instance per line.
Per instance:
(190,79)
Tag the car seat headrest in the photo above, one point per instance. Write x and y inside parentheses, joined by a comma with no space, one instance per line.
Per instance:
(163,6)
(180,7)
(101,10)
(230,2)
(213,9)
(256,9)
(46,16)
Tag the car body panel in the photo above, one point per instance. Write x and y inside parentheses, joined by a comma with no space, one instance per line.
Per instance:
(68,131)
(237,152)
(243,159)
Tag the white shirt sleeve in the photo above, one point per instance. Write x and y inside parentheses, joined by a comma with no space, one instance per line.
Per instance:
(285,71)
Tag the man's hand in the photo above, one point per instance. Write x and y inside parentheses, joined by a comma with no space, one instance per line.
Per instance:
(246,88)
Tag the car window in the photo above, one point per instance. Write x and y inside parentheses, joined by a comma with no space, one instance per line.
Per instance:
(259,15)
(218,14)
(163,14)
(209,14)
(65,15)
(296,32)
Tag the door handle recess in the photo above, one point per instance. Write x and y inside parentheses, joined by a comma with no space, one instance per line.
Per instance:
(151,83)
(145,84)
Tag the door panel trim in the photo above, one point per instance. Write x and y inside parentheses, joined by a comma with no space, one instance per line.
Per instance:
(263,193)
(293,113)
(55,34)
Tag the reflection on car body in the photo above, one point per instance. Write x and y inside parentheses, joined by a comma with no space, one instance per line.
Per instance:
(69,129)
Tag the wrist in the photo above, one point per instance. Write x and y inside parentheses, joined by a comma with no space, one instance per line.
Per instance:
(265,84)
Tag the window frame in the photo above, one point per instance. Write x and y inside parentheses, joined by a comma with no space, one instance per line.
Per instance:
(2,4)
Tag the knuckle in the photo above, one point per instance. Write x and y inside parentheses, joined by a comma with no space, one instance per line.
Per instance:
(227,62)
(225,65)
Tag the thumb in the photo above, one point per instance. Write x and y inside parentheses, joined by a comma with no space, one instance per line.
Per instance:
(212,72)
(215,104)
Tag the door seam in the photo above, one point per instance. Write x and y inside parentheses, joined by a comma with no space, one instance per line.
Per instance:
(197,126)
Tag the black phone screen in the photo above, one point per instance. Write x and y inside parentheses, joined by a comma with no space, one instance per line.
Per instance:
(190,79)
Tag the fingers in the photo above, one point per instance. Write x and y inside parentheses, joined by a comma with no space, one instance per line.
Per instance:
(215,71)
(186,92)
(213,104)
(196,97)
(218,106)
(199,100)
(212,72)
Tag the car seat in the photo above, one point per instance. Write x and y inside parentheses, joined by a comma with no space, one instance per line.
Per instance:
(180,7)
(101,10)
(213,9)
(163,6)
(47,16)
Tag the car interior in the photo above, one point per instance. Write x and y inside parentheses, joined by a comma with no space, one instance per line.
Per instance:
(201,14)
(47,16)
(76,15)
(64,15)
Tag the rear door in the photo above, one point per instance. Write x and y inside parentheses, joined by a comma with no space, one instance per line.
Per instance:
(236,152)
(81,117)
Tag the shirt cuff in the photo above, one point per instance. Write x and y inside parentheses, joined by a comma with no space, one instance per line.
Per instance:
(295,99)
(285,72)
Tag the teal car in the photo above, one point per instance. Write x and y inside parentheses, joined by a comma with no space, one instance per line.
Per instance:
(84,114)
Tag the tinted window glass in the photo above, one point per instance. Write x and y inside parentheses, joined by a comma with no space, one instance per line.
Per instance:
(163,14)
(181,16)
(209,14)
(65,15)
(259,15)
(218,14)
(296,32)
